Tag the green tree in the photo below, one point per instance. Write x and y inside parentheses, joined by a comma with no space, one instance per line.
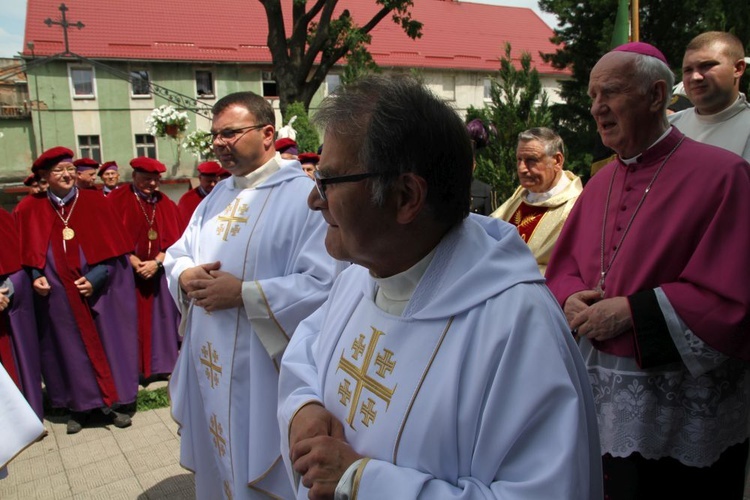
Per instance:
(518,102)
(308,140)
(585,31)
(318,40)
(359,62)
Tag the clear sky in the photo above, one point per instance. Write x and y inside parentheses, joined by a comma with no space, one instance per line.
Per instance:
(12,21)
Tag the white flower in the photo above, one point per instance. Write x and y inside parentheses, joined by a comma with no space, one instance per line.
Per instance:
(199,144)
(166,116)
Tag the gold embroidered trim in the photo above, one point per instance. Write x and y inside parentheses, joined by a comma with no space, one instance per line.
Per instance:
(358,477)
(419,386)
(270,312)
(253,484)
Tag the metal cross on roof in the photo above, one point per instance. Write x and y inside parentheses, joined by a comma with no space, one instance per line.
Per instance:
(65,24)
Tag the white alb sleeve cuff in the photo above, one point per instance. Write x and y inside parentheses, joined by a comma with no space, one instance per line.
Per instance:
(258,310)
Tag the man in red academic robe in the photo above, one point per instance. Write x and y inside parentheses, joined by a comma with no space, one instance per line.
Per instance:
(86,173)
(75,250)
(651,269)
(35,184)
(309,162)
(209,173)
(110,176)
(153,223)
(19,343)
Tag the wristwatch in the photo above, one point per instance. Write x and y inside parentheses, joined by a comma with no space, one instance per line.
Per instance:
(159,264)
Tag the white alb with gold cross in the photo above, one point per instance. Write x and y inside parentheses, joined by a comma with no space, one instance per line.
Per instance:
(375,374)
(224,387)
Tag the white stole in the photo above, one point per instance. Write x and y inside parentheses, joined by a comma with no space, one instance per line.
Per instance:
(221,340)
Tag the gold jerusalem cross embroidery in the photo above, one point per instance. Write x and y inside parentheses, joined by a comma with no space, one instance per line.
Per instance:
(363,381)
(218,435)
(209,359)
(230,218)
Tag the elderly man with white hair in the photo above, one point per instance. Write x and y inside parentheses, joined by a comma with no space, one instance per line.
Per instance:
(651,269)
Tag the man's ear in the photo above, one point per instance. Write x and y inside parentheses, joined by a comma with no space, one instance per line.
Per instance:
(410,193)
(658,95)
(740,65)
(559,159)
(269,132)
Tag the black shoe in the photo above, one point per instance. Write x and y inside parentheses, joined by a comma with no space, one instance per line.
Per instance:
(76,421)
(121,420)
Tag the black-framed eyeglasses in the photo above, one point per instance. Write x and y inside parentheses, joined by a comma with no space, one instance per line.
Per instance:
(322,182)
(232,134)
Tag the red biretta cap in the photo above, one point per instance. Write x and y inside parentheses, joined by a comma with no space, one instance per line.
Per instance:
(52,157)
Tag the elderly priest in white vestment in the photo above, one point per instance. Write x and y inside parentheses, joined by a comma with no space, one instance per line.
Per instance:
(440,365)
(249,267)
(540,205)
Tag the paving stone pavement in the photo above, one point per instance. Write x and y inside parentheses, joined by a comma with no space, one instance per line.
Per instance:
(102,462)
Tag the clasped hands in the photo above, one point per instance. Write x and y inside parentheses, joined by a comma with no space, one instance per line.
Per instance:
(318,450)
(146,269)
(211,288)
(589,315)
(42,286)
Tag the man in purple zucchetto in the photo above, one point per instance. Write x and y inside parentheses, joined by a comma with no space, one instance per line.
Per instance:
(651,269)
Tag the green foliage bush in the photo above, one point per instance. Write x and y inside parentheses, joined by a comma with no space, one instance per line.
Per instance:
(307,139)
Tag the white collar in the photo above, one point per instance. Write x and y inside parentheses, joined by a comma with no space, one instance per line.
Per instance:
(630,161)
(558,188)
(394,292)
(257,176)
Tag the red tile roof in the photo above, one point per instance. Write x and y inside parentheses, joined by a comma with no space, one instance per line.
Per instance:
(456,35)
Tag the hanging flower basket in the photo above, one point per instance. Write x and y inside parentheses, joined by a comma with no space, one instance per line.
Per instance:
(199,144)
(165,121)
(172,130)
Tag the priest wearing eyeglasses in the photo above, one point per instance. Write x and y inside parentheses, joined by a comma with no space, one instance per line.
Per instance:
(440,366)
(75,248)
(249,267)
(153,223)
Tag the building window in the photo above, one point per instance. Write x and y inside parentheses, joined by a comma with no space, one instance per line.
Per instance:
(332,83)
(270,89)
(145,145)
(448,88)
(140,83)
(82,81)
(89,147)
(487,89)
(204,83)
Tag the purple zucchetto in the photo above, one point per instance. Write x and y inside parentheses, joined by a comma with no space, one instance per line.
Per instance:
(643,49)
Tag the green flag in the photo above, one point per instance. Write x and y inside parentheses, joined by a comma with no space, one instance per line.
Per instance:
(620,35)
(622,25)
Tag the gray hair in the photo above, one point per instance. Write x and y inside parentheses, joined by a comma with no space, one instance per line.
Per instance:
(398,126)
(550,139)
(649,70)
